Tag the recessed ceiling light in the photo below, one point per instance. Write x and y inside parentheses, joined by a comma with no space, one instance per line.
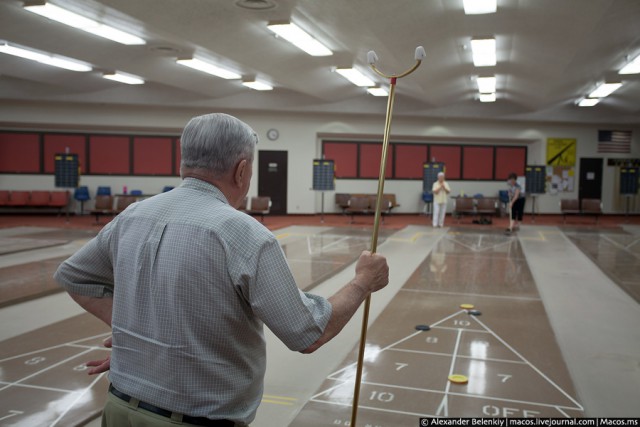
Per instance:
(486,84)
(256,85)
(377,91)
(605,89)
(74,20)
(209,68)
(123,78)
(632,67)
(355,77)
(478,7)
(299,38)
(487,97)
(45,58)
(588,102)
(484,52)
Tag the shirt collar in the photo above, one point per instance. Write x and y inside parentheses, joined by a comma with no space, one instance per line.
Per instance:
(205,187)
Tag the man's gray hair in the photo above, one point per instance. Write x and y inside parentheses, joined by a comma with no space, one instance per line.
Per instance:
(216,142)
(440,174)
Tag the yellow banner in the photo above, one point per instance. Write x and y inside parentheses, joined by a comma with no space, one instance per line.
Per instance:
(561,151)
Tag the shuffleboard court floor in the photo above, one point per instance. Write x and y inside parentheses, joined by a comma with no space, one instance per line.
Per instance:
(43,377)
(508,352)
(317,253)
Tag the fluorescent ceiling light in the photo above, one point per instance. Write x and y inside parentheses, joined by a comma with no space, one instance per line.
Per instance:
(256,85)
(478,7)
(484,52)
(604,89)
(355,77)
(487,97)
(588,102)
(378,91)
(45,58)
(123,78)
(207,67)
(632,67)
(74,20)
(486,84)
(299,38)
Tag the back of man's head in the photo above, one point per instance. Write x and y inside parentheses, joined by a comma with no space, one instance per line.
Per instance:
(216,143)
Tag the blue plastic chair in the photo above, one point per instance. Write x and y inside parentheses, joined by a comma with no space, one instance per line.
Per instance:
(167,188)
(503,195)
(103,191)
(136,192)
(478,196)
(81,194)
(427,197)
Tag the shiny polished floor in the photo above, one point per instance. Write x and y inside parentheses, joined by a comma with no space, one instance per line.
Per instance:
(556,335)
(508,352)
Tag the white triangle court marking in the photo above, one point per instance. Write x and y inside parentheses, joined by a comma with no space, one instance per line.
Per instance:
(447,392)
(513,350)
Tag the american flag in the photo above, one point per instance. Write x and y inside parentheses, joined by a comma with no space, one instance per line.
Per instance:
(614,141)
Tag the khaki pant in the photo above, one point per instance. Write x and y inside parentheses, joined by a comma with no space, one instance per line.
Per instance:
(118,413)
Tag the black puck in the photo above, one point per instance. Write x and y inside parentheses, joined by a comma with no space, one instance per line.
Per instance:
(423,327)
(474,312)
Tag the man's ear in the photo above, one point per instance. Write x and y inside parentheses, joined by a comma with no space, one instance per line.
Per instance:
(241,170)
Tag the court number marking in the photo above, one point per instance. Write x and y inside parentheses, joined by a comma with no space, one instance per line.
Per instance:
(432,339)
(382,396)
(35,360)
(12,413)
(459,322)
(401,365)
(505,377)
(80,368)
(504,412)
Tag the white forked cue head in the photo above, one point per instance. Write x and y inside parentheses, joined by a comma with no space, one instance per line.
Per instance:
(420,54)
(372,58)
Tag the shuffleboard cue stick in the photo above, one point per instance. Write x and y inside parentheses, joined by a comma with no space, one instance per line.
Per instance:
(371,59)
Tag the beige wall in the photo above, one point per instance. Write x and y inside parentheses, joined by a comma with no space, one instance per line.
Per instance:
(299,136)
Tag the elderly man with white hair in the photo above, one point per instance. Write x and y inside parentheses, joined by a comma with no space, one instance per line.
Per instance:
(186,282)
(441,192)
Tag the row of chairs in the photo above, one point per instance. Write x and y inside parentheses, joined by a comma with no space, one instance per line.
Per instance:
(34,199)
(81,194)
(365,204)
(259,206)
(577,207)
(104,205)
(475,206)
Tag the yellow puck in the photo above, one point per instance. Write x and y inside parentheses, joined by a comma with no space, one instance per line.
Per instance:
(458,379)
(467,306)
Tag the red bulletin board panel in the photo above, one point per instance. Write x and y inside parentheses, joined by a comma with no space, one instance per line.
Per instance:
(477,163)
(345,156)
(178,157)
(109,155)
(57,143)
(370,161)
(409,160)
(19,152)
(450,155)
(152,156)
(510,159)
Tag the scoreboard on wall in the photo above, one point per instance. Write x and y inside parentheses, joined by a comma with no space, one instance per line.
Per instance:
(430,173)
(535,177)
(323,175)
(67,170)
(629,181)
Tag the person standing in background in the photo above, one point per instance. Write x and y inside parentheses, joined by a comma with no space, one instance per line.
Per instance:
(441,192)
(516,200)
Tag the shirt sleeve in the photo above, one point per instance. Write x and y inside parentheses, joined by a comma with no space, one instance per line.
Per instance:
(433,187)
(89,272)
(446,185)
(297,318)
